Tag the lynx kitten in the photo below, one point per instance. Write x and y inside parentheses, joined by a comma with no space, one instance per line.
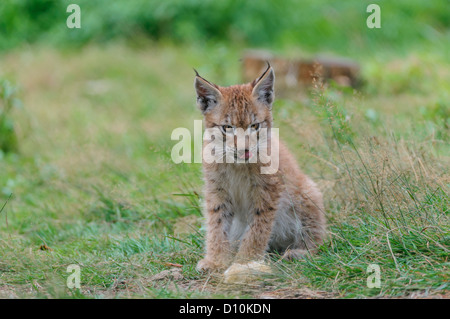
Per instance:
(249,213)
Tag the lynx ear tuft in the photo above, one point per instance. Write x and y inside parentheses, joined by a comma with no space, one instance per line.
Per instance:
(263,87)
(208,94)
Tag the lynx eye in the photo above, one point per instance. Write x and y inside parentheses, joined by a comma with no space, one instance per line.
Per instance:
(224,128)
(255,127)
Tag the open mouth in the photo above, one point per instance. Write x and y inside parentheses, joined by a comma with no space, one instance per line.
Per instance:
(246,155)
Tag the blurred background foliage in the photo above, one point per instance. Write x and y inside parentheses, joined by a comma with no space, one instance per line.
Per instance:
(8,101)
(268,23)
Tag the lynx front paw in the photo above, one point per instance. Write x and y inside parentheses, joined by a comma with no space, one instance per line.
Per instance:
(206,265)
(294,254)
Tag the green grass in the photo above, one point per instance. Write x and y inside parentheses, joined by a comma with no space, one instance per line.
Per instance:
(93,180)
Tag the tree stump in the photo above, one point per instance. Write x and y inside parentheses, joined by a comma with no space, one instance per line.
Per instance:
(298,75)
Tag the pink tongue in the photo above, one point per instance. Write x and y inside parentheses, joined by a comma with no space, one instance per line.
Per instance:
(246,155)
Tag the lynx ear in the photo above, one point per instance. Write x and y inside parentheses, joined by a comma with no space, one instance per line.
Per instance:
(263,87)
(208,94)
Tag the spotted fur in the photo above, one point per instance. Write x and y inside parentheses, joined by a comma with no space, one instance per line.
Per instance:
(249,213)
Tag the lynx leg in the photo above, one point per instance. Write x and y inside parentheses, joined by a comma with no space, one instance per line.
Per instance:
(218,250)
(256,240)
